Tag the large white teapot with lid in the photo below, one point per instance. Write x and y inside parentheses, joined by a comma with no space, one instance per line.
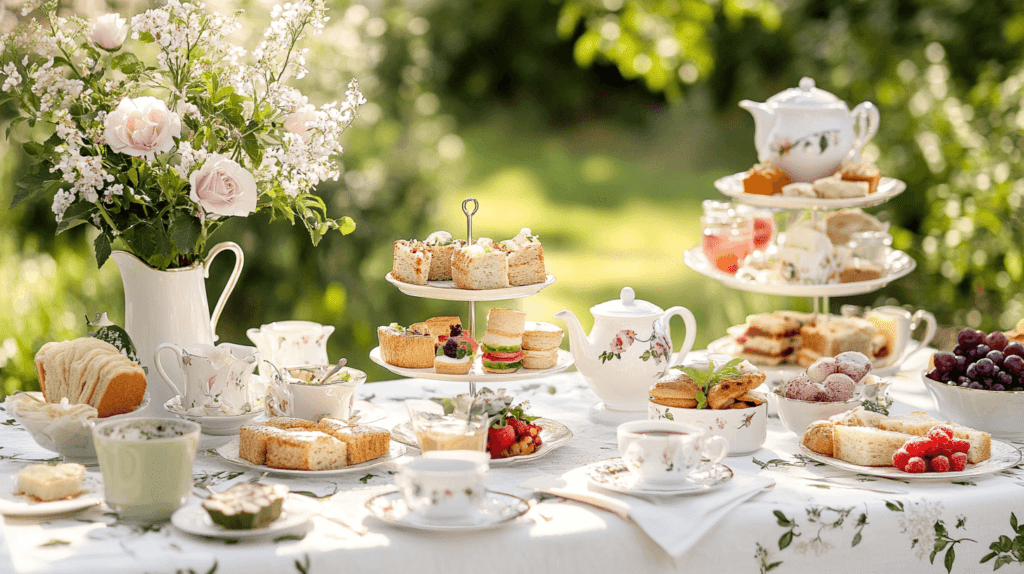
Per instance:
(809,132)
(628,349)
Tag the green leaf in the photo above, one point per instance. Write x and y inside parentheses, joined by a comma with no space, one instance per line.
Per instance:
(988,557)
(786,540)
(781,518)
(950,557)
(894,506)
(856,539)
(772,566)
(702,399)
(1013,521)
(146,38)
(1001,561)
(127,62)
(55,542)
(346,225)
(185,231)
(102,246)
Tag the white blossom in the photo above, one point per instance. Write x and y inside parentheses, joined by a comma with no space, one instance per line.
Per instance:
(13,77)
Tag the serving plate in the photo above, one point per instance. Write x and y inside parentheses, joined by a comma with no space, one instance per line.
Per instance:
(296,511)
(498,510)
(732,186)
(229,452)
(476,374)
(898,265)
(214,425)
(446,291)
(553,434)
(12,504)
(1003,456)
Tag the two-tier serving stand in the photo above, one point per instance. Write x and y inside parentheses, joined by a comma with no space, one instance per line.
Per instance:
(898,264)
(446,291)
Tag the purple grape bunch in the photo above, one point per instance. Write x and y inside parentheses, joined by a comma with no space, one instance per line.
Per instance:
(982,362)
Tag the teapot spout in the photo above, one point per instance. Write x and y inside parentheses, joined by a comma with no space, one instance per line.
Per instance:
(579,345)
(764,119)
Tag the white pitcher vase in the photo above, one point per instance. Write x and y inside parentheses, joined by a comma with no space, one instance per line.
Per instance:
(170,307)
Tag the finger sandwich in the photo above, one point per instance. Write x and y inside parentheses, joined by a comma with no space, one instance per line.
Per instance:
(502,344)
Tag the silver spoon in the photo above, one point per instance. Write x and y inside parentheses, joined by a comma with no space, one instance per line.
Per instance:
(341,363)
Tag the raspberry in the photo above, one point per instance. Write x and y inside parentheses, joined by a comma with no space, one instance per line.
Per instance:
(945,430)
(960,445)
(900,458)
(915,465)
(940,464)
(520,427)
(958,461)
(917,447)
(940,435)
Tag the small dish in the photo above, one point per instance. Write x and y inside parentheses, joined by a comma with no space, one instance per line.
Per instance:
(612,474)
(745,429)
(229,452)
(498,510)
(797,415)
(296,511)
(20,505)
(553,434)
(212,425)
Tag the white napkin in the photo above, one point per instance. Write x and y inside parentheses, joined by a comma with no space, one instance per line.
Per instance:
(674,522)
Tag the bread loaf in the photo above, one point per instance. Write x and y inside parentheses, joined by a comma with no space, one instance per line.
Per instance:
(91,372)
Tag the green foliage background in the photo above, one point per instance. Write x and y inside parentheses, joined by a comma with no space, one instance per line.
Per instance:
(601,125)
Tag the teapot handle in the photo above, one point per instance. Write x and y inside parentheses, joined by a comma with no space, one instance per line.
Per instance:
(929,332)
(866,116)
(232,280)
(691,331)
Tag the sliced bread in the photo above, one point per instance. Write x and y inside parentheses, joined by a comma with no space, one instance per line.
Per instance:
(411,262)
(866,446)
(480,266)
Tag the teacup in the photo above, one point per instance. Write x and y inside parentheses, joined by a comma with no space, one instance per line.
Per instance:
(146,465)
(898,326)
(291,343)
(297,392)
(444,484)
(216,378)
(666,453)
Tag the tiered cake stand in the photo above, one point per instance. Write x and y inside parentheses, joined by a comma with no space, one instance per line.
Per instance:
(898,264)
(446,291)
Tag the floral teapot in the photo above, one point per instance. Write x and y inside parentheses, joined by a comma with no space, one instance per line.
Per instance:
(628,349)
(809,132)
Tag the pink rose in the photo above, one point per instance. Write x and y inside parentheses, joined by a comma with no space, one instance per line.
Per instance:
(142,127)
(223,187)
(296,121)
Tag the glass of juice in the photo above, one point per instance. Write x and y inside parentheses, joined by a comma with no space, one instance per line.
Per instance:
(728,236)
(436,430)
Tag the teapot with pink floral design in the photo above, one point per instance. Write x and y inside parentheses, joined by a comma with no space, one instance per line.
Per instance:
(628,349)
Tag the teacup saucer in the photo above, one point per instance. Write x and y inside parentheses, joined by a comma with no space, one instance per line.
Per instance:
(498,510)
(612,474)
(217,425)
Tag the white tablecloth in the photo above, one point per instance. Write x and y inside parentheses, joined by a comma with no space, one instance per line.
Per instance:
(799,526)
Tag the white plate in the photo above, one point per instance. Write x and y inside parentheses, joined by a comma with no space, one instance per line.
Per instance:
(1003,456)
(732,185)
(212,425)
(553,434)
(296,511)
(499,510)
(613,475)
(898,265)
(446,291)
(476,373)
(20,505)
(786,371)
(229,452)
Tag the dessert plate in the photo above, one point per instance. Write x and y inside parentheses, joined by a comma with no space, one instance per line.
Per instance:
(898,265)
(476,374)
(553,434)
(296,511)
(732,186)
(1003,456)
(613,475)
(12,504)
(446,291)
(784,372)
(229,452)
(498,510)
(211,425)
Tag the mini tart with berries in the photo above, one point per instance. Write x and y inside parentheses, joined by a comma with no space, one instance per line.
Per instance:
(454,357)
(513,434)
(459,334)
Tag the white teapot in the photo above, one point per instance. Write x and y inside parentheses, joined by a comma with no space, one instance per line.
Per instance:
(291,343)
(809,132)
(628,349)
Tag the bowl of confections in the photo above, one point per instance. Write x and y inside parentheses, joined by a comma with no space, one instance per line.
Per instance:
(831,385)
(717,394)
(83,381)
(981,382)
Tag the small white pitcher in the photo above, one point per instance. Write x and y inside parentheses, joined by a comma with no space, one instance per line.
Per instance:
(216,378)
(291,343)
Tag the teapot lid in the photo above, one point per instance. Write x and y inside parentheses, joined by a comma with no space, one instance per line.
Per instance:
(627,305)
(806,96)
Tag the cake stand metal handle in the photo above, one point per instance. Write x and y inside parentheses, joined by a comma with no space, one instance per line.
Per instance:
(469,240)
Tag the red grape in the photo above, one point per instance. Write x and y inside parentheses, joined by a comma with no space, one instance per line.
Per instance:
(1014,349)
(995,356)
(997,340)
(1014,364)
(944,361)
(970,338)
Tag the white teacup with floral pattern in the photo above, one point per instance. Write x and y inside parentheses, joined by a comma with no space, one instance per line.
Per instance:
(665,453)
(444,485)
(216,377)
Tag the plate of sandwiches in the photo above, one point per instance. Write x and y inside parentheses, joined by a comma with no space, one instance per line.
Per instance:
(444,268)
(438,349)
(856,184)
(864,442)
(785,343)
(297,447)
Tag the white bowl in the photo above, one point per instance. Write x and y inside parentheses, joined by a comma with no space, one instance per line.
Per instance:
(995,412)
(745,429)
(797,415)
(70,437)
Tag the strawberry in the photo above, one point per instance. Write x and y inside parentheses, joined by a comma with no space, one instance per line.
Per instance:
(500,439)
(900,458)
(917,447)
(958,461)
(940,464)
(520,427)
(915,465)
(960,445)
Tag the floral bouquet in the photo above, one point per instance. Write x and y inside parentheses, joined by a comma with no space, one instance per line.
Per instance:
(158,156)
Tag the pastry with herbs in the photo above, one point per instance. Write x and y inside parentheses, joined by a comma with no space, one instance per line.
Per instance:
(525,259)
(481,265)
(364,442)
(410,348)
(411,264)
(441,247)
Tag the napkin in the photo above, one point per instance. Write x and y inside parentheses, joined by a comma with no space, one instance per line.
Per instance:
(674,522)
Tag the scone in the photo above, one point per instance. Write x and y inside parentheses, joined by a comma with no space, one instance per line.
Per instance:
(861,171)
(408,348)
